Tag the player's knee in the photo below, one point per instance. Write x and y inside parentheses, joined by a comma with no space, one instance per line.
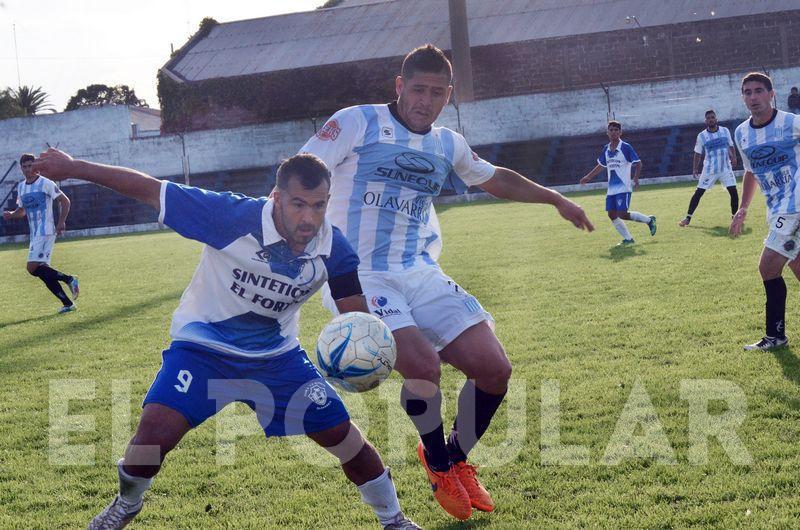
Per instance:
(495,376)
(612,215)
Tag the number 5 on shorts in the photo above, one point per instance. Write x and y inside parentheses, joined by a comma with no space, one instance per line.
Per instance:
(185,379)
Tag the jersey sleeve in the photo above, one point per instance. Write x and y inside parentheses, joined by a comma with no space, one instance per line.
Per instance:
(468,166)
(745,160)
(630,153)
(602,158)
(342,267)
(51,188)
(699,147)
(216,219)
(336,139)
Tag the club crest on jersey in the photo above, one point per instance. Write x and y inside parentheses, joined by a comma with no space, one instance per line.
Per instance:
(379,301)
(330,131)
(317,393)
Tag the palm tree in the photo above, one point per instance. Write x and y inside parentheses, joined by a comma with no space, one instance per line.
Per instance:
(31,100)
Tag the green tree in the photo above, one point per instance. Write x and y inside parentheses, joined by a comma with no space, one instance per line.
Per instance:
(31,100)
(8,105)
(95,95)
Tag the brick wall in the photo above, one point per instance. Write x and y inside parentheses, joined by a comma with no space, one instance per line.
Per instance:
(633,55)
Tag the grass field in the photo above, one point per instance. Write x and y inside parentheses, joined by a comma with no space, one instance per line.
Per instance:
(618,331)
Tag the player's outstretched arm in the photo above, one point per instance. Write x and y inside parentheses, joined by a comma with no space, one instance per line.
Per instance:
(58,165)
(592,174)
(19,213)
(748,190)
(510,185)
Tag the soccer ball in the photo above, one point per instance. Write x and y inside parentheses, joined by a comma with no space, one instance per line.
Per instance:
(356,351)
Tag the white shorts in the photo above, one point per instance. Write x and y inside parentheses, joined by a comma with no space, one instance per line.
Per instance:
(783,235)
(424,297)
(41,248)
(707,181)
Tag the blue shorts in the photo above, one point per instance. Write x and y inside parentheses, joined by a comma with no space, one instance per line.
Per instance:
(619,202)
(287,393)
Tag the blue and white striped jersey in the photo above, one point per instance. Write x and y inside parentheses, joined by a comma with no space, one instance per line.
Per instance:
(771,152)
(618,163)
(714,145)
(384,179)
(37,199)
(245,296)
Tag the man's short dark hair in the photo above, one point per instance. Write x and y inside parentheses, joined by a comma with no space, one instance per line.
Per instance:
(428,59)
(615,124)
(27,157)
(710,111)
(308,168)
(794,89)
(759,78)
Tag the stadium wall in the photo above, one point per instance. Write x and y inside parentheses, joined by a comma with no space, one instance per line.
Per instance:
(651,54)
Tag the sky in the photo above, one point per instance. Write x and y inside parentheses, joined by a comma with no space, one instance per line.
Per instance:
(65,45)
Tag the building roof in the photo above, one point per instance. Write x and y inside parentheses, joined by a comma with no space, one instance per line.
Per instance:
(391,28)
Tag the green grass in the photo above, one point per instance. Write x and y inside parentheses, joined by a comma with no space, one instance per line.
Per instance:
(570,307)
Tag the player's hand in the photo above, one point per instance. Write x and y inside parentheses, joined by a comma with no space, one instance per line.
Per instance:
(573,213)
(6,215)
(738,222)
(54,164)
(60,228)
(636,184)
(695,176)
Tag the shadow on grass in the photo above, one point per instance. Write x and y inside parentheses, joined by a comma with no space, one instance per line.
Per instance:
(719,231)
(41,318)
(789,362)
(458,525)
(70,323)
(621,252)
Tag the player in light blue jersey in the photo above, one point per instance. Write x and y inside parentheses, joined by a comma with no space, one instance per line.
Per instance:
(714,146)
(623,166)
(234,334)
(35,196)
(388,163)
(770,146)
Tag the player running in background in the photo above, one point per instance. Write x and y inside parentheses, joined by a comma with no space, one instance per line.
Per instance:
(388,162)
(234,334)
(35,196)
(715,147)
(768,142)
(619,159)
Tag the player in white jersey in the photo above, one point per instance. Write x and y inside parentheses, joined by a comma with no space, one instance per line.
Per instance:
(714,146)
(388,162)
(769,143)
(35,196)
(234,335)
(623,167)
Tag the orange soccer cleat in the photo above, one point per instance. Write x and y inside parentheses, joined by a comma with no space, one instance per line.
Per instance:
(447,489)
(478,496)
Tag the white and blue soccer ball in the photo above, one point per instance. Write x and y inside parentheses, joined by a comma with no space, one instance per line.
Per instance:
(356,351)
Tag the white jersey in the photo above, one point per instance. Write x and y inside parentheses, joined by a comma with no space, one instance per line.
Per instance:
(771,152)
(384,179)
(37,200)
(715,146)
(245,296)
(618,163)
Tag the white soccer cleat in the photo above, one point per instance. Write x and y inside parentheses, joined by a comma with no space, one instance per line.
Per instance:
(767,343)
(402,523)
(116,515)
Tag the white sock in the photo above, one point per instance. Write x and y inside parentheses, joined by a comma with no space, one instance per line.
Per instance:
(619,224)
(380,494)
(131,489)
(639,217)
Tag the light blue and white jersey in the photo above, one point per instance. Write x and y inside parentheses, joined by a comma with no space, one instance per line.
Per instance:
(245,296)
(618,163)
(715,146)
(384,179)
(771,152)
(37,199)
